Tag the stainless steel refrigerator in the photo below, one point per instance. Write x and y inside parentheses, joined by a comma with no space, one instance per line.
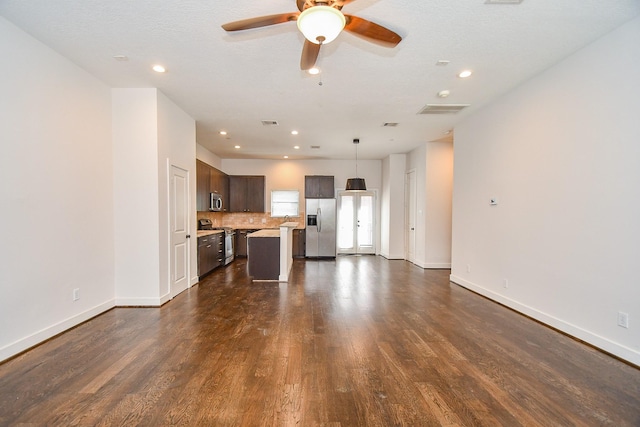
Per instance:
(321,228)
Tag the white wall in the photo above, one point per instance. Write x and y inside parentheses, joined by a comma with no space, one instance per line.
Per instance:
(433,163)
(56,193)
(208,157)
(289,175)
(137,240)
(561,154)
(176,146)
(150,132)
(439,193)
(392,207)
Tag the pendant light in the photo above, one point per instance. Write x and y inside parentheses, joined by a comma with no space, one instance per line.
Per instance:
(356,184)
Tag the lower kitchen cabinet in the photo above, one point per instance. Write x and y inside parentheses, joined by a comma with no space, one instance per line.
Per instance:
(241,242)
(210,253)
(299,242)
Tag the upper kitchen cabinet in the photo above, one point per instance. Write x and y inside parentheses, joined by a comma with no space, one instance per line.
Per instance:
(318,187)
(210,180)
(219,183)
(246,193)
(203,200)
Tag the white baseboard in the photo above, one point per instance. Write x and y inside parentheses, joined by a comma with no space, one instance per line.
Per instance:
(390,256)
(596,340)
(433,265)
(53,330)
(139,302)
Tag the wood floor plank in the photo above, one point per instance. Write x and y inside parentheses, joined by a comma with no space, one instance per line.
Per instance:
(356,341)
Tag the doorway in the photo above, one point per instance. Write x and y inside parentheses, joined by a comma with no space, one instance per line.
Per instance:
(179,230)
(410,215)
(356,222)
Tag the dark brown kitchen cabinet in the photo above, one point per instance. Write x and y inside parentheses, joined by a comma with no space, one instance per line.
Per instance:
(241,242)
(246,193)
(219,183)
(319,187)
(210,253)
(210,180)
(202,186)
(299,241)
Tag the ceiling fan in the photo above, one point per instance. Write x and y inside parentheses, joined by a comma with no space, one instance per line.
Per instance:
(321,21)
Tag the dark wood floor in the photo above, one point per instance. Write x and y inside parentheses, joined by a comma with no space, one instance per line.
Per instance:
(360,341)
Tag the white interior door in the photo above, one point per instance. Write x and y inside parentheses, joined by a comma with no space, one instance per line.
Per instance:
(179,229)
(356,222)
(410,216)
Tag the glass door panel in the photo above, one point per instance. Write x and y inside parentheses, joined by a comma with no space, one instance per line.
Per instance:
(356,222)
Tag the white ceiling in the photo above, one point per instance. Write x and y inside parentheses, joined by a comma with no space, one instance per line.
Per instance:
(232,81)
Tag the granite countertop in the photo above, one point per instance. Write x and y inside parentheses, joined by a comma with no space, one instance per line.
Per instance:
(265,233)
(202,233)
(290,224)
(298,225)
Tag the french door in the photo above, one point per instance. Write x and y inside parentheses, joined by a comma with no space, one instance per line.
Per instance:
(356,222)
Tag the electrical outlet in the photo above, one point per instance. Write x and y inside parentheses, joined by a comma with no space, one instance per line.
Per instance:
(250,220)
(264,220)
(505,283)
(468,268)
(623,319)
(76,294)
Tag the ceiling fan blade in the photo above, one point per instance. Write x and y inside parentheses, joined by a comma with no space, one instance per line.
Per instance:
(261,21)
(371,31)
(310,53)
(338,4)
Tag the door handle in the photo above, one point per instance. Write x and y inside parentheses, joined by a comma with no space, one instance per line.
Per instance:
(319,223)
(188,236)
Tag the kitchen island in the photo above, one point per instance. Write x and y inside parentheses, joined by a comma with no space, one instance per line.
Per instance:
(270,253)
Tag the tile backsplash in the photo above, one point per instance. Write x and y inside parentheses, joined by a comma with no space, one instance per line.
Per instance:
(248,220)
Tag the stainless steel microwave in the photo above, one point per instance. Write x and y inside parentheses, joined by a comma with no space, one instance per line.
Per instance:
(216,202)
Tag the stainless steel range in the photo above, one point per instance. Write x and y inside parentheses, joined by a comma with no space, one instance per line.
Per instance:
(229,244)
(229,238)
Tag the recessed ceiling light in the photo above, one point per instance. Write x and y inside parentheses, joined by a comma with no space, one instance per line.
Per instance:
(223,132)
(313,71)
(237,146)
(159,69)
(464,74)
(444,93)
(296,147)
(286,157)
(294,132)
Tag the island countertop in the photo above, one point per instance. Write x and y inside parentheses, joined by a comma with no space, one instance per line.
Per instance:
(267,232)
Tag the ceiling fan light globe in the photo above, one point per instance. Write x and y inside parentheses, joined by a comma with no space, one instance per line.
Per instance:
(321,24)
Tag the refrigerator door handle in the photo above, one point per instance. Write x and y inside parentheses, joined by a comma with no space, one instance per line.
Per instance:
(319,223)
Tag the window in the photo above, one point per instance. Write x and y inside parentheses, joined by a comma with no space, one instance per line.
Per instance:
(284,203)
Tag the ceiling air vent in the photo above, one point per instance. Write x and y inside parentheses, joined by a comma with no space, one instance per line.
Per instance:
(269,123)
(315,147)
(390,124)
(442,108)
